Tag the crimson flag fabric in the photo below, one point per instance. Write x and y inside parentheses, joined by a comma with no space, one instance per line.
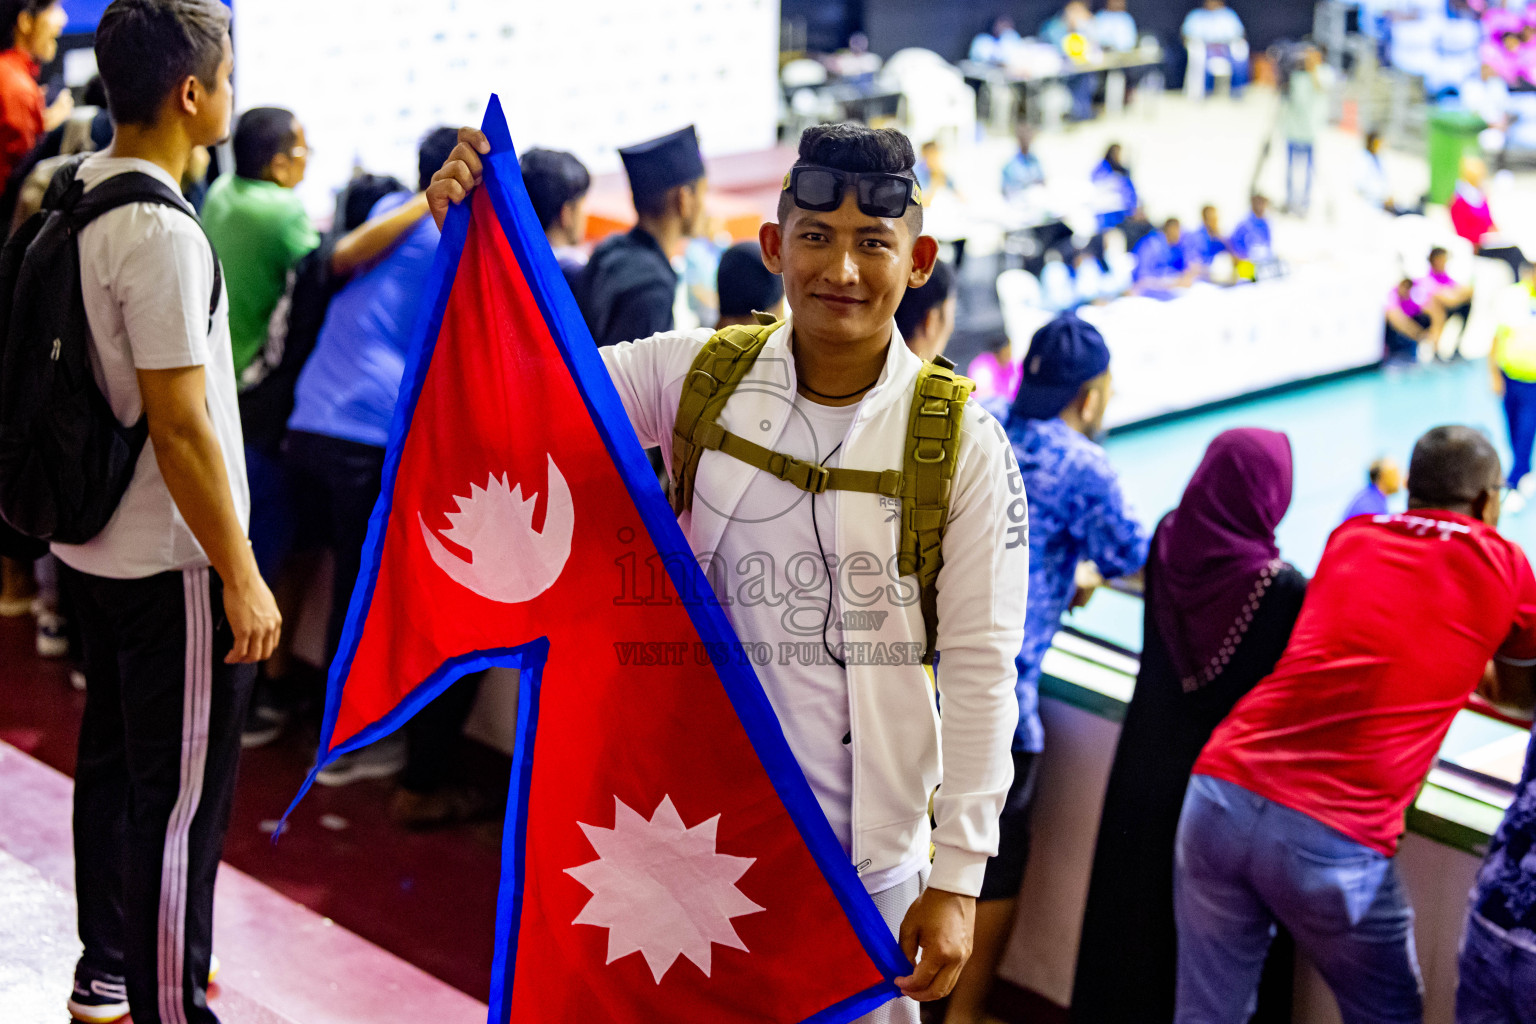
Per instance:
(664,858)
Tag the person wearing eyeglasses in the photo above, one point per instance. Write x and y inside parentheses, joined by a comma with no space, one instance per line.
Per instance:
(258,224)
(629,288)
(833,385)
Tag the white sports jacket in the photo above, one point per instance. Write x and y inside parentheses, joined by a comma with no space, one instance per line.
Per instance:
(901,748)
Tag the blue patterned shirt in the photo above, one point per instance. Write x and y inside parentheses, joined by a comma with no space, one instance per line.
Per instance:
(1505,893)
(1077,513)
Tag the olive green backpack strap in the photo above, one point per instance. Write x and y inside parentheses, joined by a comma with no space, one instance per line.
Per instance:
(717,369)
(928,474)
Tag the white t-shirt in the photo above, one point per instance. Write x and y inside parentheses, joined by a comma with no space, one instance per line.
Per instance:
(146,274)
(777,594)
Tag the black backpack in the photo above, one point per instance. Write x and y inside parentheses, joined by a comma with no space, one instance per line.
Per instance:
(65,460)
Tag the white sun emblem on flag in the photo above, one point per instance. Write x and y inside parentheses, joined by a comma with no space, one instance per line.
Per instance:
(661,889)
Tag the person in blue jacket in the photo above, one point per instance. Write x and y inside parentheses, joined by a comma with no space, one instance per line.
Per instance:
(1161,261)
(1116,193)
(1252,240)
(1202,245)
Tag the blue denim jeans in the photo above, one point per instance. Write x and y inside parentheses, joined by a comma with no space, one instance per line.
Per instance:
(1298,199)
(1241,863)
(1498,979)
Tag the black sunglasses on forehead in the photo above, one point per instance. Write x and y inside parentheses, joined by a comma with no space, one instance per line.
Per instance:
(879,194)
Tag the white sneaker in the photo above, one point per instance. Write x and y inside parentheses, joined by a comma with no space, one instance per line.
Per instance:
(51,639)
(377,761)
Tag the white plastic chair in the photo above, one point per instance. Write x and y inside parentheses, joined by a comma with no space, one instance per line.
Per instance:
(937,103)
(1018,293)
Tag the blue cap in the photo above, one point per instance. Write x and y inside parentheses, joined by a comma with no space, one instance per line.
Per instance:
(1063,355)
(660,164)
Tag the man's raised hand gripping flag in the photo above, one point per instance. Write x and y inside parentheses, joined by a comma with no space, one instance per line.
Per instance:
(664,858)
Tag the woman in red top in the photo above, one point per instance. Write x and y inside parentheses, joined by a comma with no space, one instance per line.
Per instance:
(1473,220)
(34,26)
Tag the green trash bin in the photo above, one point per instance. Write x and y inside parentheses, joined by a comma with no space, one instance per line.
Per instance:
(1452,135)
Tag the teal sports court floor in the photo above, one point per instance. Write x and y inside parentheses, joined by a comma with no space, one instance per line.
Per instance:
(1336,428)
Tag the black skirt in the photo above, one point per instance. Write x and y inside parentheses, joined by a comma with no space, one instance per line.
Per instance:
(1127,960)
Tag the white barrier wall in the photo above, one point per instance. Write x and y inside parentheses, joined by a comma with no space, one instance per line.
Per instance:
(369,77)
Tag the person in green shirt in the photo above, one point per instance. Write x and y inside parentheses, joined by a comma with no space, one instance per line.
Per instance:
(257,223)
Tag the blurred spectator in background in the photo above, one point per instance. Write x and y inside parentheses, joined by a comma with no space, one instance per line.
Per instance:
(1410,320)
(1455,298)
(1202,245)
(33,28)
(926,316)
(1513,362)
(1383,479)
(1214,36)
(997,375)
(557,185)
(257,223)
(1252,239)
(1487,96)
(998,44)
(1115,194)
(1114,29)
(856,64)
(1497,969)
(1303,112)
(87,129)
(932,174)
(1473,220)
(1161,261)
(1071,32)
(1023,172)
(745,286)
(1374,184)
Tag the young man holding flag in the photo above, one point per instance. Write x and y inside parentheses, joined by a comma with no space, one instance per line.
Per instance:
(810,575)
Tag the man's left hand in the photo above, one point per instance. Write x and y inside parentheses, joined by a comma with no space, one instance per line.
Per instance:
(941,924)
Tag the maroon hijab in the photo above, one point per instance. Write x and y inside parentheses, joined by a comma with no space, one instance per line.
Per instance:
(1216,551)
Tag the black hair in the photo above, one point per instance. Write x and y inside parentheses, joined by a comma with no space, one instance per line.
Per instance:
(1374,473)
(1112,154)
(654,202)
(1438,250)
(12,10)
(1371,137)
(433,153)
(1451,466)
(95,94)
(857,148)
(744,284)
(260,135)
(553,178)
(147,48)
(917,303)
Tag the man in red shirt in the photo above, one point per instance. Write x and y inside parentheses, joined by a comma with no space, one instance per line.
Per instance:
(1297,802)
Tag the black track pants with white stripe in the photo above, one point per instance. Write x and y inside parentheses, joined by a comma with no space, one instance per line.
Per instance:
(159,745)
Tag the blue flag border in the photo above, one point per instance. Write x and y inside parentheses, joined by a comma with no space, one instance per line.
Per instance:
(502,181)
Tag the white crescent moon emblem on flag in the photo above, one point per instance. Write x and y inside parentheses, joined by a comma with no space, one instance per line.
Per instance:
(510,561)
